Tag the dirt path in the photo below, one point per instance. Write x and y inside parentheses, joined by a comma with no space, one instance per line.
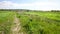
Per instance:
(16,27)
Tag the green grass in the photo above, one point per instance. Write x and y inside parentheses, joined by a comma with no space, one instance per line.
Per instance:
(40,22)
(31,22)
(6,21)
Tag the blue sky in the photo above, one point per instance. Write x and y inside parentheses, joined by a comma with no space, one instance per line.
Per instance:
(30,4)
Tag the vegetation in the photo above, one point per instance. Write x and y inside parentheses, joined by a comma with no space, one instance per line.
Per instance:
(6,21)
(32,22)
(40,22)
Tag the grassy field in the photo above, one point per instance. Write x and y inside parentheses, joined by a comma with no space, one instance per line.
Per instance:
(40,22)
(6,21)
(37,22)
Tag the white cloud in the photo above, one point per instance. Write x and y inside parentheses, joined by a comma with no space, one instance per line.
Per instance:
(33,6)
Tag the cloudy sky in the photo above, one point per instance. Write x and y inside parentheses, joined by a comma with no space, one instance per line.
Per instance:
(30,4)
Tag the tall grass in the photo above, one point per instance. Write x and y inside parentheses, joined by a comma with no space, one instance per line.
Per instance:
(40,22)
(6,21)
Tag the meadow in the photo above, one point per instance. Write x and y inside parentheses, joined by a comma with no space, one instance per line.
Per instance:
(40,22)
(31,22)
(6,21)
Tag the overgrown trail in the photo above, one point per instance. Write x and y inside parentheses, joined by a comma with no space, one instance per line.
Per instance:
(16,26)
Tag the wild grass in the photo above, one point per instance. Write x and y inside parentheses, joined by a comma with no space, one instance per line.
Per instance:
(40,22)
(6,21)
(32,22)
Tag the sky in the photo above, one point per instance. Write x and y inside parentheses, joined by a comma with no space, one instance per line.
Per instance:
(30,4)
